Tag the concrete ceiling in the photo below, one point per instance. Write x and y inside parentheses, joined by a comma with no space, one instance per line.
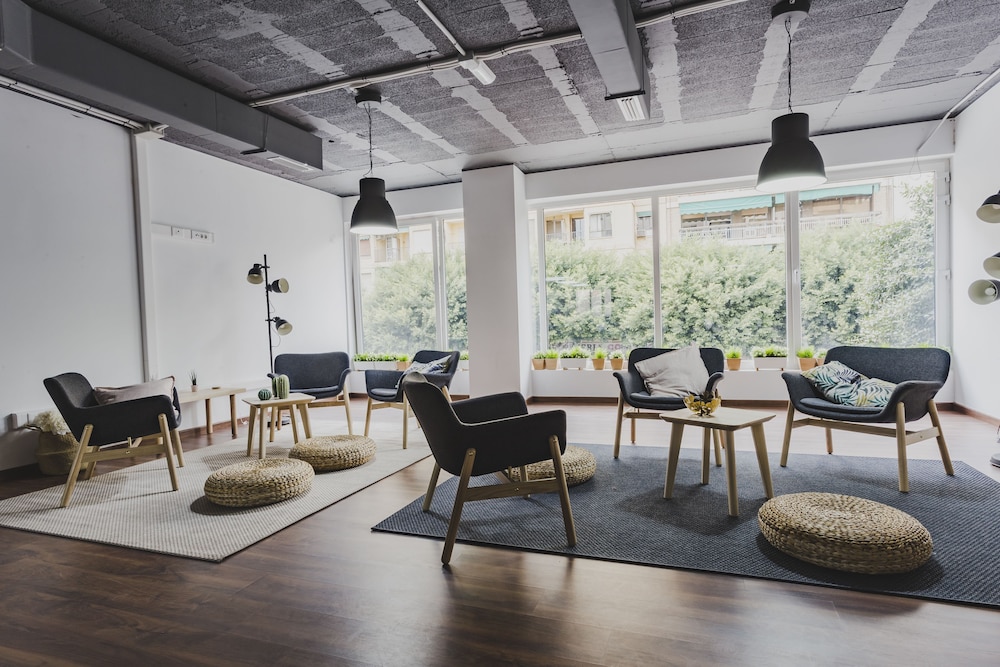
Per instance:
(717,77)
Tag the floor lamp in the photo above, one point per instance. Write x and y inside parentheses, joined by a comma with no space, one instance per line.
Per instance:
(256,276)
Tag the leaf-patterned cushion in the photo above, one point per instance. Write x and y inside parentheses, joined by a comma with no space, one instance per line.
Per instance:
(846,386)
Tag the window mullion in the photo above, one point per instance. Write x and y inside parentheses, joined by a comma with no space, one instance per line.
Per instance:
(793,282)
(657,293)
(440,280)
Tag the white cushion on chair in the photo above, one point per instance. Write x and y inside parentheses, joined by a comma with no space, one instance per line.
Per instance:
(106,395)
(677,373)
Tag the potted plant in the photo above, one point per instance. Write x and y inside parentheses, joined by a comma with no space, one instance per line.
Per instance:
(734,357)
(364,361)
(386,362)
(463,361)
(538,361)
(807,357)
(820,356)
(597,359)
(617,360)
(194,380)
(57,447)
(551,360)
(771,357)
(402,362)
(574,358)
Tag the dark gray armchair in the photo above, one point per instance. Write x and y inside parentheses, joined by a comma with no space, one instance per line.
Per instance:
(323,375)
(488,435)
(96,426)
(386,391)
(633,391)
(918,373)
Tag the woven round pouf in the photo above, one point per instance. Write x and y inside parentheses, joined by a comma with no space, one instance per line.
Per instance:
(259,482)
(845,533)
(334,452)
(579,465)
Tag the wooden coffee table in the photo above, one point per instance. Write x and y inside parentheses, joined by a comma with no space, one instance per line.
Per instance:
(207,395)
(727,421)
(257,410)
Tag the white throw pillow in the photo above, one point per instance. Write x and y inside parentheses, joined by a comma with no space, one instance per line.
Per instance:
(106,395)
(676,373)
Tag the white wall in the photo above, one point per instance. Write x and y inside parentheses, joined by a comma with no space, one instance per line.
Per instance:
(975,176)
(208,317)
(67,258)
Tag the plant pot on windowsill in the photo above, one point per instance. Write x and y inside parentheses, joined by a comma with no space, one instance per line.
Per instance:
(805,363)
(538,364)
(617,364)
(770,363)
(573,363)
(733,364)
(598,363)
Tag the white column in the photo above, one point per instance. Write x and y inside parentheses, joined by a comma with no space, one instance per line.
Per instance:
(497,261)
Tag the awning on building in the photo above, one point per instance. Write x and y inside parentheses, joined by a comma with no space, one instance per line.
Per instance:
(867,189)
(731,204)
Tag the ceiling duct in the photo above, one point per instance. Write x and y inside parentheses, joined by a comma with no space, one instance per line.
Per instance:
(42,51)
(609,30)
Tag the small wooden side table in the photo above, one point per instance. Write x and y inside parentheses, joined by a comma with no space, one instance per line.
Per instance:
(257,411)
(207,395)
(727,421)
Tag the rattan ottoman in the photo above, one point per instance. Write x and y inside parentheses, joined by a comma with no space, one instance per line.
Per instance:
(259,482)
(579,465)
(334,452)
(845,533)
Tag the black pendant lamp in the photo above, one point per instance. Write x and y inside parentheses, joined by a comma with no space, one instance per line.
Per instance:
(792,162)
(372,214)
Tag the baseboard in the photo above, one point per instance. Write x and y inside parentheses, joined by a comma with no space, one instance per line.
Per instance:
(981,416)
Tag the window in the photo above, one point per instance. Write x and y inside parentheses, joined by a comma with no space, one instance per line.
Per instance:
(598,293)
(600,225)
(644,224)
(411,290)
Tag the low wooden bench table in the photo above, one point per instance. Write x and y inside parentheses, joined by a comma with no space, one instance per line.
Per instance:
(727,421)
(257,410)
(207,395)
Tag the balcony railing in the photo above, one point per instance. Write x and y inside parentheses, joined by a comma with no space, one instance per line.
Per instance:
(774,230)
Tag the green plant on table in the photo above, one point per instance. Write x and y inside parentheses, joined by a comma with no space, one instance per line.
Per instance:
(538,355)
(194,377)
(806,352)
(575,352)
(600,353)
(551,354)
(617,354)
(769,351)
(734,353)
(463,356)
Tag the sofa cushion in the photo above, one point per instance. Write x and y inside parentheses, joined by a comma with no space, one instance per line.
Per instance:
(677,373)
(846,386)
(106,395)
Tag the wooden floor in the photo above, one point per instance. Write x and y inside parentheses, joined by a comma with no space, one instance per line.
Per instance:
(328,591)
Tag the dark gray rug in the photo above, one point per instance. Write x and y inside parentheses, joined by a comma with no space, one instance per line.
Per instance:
(621,515)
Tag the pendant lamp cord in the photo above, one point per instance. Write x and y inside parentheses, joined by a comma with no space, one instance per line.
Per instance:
(371,165)
(788,29)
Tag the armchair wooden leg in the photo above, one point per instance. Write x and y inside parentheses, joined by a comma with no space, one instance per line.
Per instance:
(179,450)
(718,447)
(829,441)
(456,512)
(563,491)
(75,468)
(347,409)
(788,434)
(633,427)
(942,445)
(904,480)
(406,420)
(368,416)
(431,487)
(168,450)
(618,425)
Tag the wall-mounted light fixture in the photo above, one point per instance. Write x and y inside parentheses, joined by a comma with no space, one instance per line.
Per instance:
(792,162)
(256,276)
(372,214)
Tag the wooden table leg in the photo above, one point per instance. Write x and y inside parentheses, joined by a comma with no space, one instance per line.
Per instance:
(295,424)
(232,413)
(260,433)
(208,415)
(734,507)
(676,433)
(705,447)
(760,446)
(253,418)
(304,411)
(275,415)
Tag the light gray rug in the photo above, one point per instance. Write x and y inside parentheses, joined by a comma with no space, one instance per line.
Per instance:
(134,507)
